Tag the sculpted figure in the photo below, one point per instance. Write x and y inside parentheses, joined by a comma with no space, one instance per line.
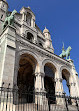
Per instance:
(9,20)
(65,53)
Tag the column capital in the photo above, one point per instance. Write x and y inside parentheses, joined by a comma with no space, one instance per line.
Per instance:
(72,84)
(58,79)
(39,73)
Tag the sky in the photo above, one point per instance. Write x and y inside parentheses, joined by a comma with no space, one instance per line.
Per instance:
(61,17)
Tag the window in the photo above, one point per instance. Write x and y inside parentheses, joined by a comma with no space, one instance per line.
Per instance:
(40,44)
(29,36)
(1,16)
(28,18)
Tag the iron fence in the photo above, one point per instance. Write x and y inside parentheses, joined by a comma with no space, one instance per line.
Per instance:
(15,100)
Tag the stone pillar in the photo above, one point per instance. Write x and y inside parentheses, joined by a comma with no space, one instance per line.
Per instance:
(75,78)
(8,61)
(73,91)
(23,17)
(17,59)
(39,83)
(40,95)
(32,22)
(59,86)
(35,39)
(59,91)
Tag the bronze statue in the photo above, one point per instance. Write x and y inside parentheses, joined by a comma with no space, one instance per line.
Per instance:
(65,53)
(9,20)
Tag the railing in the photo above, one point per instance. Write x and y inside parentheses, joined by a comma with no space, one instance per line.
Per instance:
(15,100)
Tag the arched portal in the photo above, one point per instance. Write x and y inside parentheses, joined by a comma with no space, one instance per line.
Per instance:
(25,79)
(65,77)
(49,82)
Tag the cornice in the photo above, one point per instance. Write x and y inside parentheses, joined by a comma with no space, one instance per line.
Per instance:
(42,52)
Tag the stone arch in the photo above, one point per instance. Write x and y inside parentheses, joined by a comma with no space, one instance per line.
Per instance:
(50,70)
(66,77)
(49,61)
(34,55)
(30,36)
(28,65)
(17,59)
(32,14)
(65,67)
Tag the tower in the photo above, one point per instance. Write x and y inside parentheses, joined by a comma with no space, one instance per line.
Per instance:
(3,11)
(48,41)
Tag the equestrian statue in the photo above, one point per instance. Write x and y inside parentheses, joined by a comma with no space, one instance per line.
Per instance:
(65,53)
(9,20)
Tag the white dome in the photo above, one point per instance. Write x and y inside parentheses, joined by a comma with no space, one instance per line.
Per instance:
(45,30)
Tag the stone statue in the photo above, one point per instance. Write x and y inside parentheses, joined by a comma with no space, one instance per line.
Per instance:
(9,20)
(65,53)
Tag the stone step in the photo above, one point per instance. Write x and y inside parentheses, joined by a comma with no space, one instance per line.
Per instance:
(33,107)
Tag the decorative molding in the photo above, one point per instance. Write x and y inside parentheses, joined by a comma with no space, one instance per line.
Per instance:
(42,53)
(72,84)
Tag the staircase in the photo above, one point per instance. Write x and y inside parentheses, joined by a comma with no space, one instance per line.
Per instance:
(34,107)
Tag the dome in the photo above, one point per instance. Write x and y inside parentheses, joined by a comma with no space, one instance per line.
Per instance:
(45,30)
(28,7)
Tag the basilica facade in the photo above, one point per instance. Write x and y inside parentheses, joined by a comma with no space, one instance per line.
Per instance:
(27,59)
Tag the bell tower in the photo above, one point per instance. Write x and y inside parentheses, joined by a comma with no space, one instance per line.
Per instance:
(48,42)
(3,11)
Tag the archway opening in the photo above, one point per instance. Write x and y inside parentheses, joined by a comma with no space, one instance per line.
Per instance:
(65,82)
(25,79)
(49,82)
(30,36)
(65,76)
(28,18)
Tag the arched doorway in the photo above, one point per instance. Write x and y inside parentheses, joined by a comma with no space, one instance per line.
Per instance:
(49,81)
(65,82)
(25,79)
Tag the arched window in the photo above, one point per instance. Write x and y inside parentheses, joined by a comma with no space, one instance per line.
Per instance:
(30,36)
(1,16)
(28,18)
(40,44)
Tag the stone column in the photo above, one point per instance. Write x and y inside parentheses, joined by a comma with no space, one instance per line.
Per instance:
(59,86)
(75,78)
(39,82)
(59,91)
(32,22)
(40,96)
(73,91)
(23,17)
(17,59)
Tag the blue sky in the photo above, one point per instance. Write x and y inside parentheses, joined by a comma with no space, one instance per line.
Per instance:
(61,17)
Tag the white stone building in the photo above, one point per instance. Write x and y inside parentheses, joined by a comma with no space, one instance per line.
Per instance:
(27,57)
